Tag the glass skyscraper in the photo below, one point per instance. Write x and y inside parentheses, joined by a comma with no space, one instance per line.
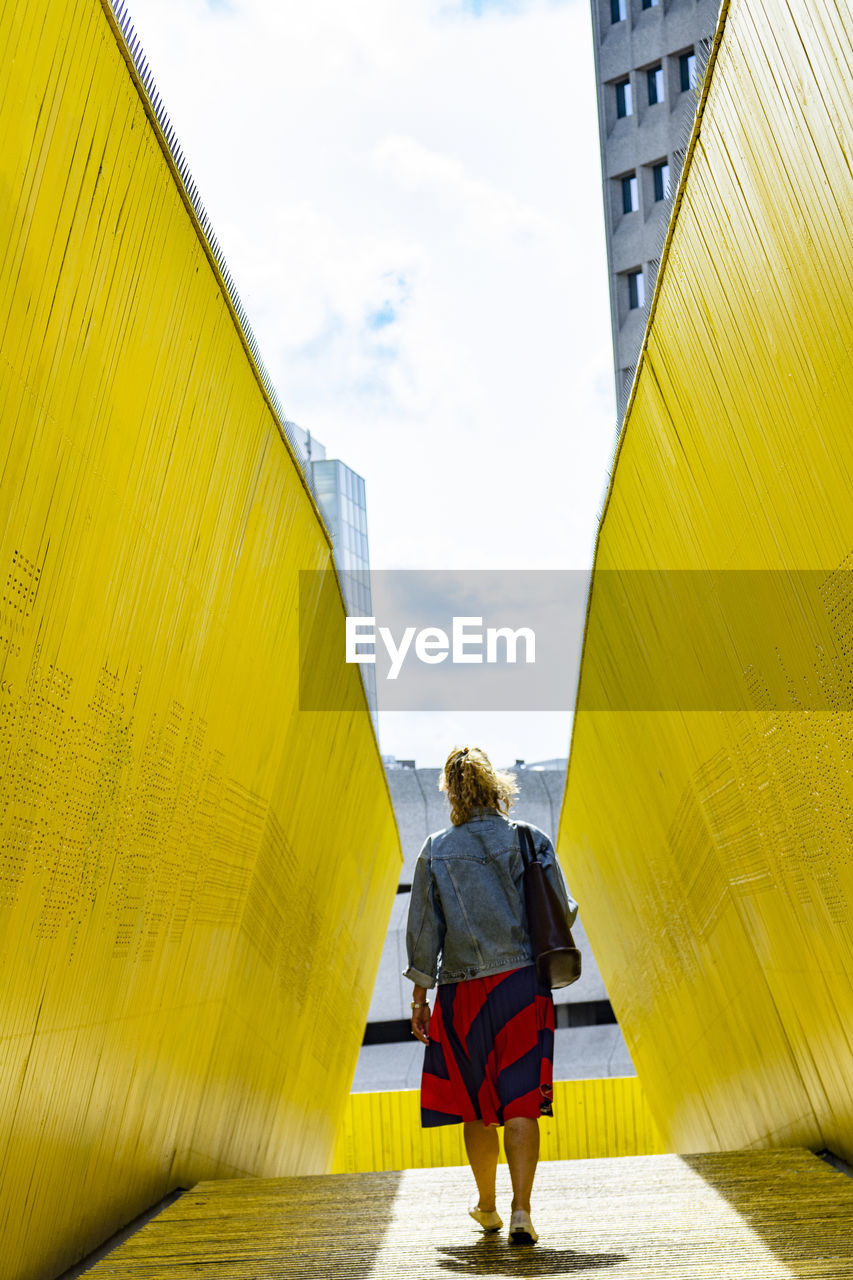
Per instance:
(340,495)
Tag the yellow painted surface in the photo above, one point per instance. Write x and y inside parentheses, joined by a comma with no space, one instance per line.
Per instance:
(710,839)
(772,1215)
(195,877)
(592,1118)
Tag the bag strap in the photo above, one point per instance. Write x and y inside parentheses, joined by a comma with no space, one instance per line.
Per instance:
(525,841)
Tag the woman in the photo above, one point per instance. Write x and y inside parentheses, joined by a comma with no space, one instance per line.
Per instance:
(490,1035)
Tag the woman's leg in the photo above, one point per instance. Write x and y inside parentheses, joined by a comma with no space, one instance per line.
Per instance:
(521,1144)
(481,1143)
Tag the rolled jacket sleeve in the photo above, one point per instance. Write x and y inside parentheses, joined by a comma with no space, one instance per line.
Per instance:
(425,927)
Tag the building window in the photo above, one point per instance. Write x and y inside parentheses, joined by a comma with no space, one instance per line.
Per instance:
(654,78)
(618,10)
(650,4)
(660,175)
(623,99)
(636,290)
(630,194)
(687,68)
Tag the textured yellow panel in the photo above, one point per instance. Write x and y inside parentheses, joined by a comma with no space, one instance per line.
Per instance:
(773,1215)
(195,877)
(592,1118)
(707,827)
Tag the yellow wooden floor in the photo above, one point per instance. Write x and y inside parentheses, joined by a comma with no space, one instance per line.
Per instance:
(741,1215)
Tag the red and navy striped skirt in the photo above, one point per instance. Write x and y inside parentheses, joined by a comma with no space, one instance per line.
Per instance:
(491,1050)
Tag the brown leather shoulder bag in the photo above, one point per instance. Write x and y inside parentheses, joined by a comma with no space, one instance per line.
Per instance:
(558,960)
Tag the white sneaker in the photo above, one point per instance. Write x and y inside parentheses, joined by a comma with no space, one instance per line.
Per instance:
(521,1228)
(489,1219)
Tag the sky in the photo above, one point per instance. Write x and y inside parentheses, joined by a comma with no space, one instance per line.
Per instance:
(408,196)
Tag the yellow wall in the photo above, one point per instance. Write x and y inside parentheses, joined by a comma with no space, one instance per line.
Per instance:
(195,877)
(707,828)
(592,1118)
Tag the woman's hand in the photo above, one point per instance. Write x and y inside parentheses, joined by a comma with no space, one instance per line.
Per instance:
(420,1016)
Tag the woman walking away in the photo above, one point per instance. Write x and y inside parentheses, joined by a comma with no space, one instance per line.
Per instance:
(490,1035)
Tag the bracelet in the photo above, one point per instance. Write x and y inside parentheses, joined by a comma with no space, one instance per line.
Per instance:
(420,1004)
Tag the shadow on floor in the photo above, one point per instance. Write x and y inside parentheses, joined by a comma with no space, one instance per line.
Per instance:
(245,1228)
(496,1257)
(797,1205)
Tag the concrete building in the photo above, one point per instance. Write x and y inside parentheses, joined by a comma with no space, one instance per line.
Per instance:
(589,1044)
(649,59)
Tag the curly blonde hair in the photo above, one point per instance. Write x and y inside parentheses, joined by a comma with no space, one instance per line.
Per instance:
(472,783)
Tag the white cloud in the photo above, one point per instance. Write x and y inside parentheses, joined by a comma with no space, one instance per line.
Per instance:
(488,211)
(409,199)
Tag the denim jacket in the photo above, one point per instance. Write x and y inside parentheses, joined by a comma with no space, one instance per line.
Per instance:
(466,914)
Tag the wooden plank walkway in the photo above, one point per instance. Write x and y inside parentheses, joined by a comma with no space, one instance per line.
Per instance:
(729,1216)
